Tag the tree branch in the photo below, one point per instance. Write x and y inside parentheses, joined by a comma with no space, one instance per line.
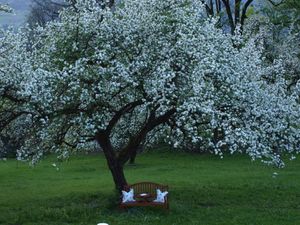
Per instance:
(125,109)
(229,14)
(244,12)
(237,10)
(153,122)
(276,4)
(9,96)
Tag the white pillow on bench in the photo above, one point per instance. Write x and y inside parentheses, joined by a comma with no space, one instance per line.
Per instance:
(128,196)
(160,196)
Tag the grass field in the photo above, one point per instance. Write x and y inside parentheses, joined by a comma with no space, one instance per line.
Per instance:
(203,190)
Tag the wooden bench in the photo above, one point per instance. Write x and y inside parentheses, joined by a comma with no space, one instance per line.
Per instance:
(144,194)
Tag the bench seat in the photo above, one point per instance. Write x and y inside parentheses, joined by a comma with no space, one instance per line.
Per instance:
(149,188)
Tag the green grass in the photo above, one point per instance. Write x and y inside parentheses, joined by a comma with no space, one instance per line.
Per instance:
(203,190)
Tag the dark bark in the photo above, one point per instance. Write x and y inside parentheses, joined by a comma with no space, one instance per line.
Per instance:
(236,13)
(276,3)
(244,12)
(209,11)
(139,149)
(127,108)
(218,6)
(116,162)
(133,157)
(212,7)
(237,10)
(229,14)
(115,167)
(135,142)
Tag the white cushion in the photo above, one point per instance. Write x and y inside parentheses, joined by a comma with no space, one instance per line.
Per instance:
(160,196)
(128,196)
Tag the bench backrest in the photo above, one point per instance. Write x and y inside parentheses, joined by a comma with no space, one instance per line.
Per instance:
(146,187)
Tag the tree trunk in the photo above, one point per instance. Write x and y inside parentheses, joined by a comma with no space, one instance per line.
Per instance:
(137,150)
(132,157)
(118,174)
(116,162)
(115,167)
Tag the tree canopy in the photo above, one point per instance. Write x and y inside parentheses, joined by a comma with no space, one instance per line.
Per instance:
(158,69)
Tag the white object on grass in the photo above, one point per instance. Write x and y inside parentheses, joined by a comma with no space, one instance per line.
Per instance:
(160,196)
(128,196)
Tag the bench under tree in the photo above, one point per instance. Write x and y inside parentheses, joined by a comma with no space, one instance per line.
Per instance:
(145,194)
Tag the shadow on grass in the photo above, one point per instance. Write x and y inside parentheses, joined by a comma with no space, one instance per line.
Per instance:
(87,208)
(189,206)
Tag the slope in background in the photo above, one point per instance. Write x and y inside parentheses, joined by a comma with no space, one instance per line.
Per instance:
(16,19)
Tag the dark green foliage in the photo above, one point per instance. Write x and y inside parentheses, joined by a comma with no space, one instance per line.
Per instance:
(285,15)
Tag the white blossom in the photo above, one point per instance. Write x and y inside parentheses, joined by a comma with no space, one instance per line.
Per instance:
(82,69)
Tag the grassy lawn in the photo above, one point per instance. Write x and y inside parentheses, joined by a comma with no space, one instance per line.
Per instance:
(203,190)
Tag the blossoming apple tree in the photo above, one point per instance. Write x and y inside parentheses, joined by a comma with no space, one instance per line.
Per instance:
(144,69)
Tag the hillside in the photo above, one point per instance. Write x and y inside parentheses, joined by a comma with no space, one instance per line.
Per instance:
(20,10)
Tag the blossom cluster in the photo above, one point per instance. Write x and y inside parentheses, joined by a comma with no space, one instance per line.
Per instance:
(147,57)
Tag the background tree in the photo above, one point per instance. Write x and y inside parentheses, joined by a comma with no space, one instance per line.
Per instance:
(236,11)
(43,11)
(4,139)
(119,77)
(278,29)
(286,16)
